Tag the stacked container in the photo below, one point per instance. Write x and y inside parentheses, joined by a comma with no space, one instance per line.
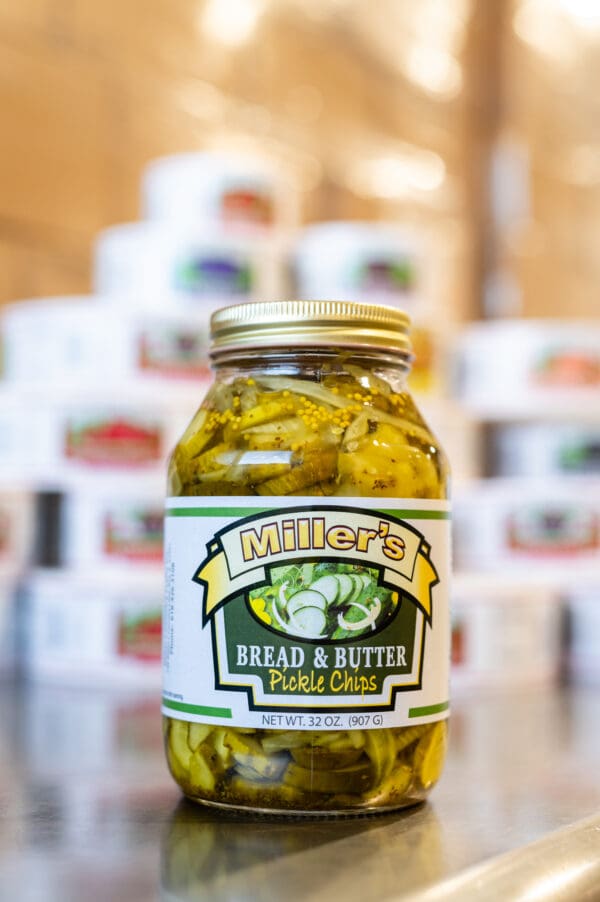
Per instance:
(97,390)
(537,521)
(505,632)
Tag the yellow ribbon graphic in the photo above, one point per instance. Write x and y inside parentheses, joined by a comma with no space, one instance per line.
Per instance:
(419,587)
(219,586)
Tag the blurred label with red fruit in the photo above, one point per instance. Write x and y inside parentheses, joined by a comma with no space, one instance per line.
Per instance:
(567,368)
(176,353)
(133,533)
(127,441)
(140,635)
(245,206)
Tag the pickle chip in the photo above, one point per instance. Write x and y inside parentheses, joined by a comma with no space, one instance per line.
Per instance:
(178,741)
(197,733)
(324,759)
(393,789)
(405,736)
(265,793)
(381,749)
(429,755)
(354,779)
(201,775)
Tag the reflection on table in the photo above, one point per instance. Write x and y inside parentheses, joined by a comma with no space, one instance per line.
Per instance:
(89,809)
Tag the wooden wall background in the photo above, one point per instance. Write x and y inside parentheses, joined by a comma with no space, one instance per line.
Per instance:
(551,112)
(91,90)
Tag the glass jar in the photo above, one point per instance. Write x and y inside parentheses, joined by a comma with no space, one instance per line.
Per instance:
(306,631)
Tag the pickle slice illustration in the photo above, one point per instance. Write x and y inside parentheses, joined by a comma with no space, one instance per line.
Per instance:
(324,600)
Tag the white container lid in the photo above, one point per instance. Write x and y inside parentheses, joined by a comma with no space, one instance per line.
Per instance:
(54,433)
(233,190)
(479,587)
(356,261)
(538,530)
(89,338)
(93,628)
(547,449)
(71,582)
(117,525)
(532,369)
(505,632)
(160,264)
(143,395)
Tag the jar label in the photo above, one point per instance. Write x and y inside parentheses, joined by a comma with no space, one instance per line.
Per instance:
(304,615)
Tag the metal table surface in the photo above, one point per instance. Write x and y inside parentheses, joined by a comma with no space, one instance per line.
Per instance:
(88,810)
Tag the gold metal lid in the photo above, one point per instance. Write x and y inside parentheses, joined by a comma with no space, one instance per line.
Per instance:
(317,324)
